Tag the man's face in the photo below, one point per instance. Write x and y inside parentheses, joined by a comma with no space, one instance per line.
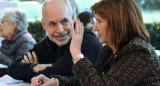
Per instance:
(56,22)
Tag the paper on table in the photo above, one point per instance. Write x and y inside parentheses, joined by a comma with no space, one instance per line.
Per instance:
(158,52)
(3,66)
(2,84)
(9,80)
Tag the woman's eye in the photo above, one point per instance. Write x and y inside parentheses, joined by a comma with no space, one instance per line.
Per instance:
(99,21)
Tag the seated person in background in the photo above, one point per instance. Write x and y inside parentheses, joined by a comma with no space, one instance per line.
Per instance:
(127,59)
(51,56)
(87,19)
(17,41)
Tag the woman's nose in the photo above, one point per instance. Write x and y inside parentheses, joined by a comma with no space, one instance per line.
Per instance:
(95,28)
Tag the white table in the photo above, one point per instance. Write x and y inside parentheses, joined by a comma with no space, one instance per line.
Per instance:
(3,66)
(6,80)
(158,52)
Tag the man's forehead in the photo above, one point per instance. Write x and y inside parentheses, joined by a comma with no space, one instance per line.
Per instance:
(58,20)
(55,12)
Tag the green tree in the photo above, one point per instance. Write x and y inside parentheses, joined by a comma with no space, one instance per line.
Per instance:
(36,29)
(149,4)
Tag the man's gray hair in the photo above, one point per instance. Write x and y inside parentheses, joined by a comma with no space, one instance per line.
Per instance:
(18,16)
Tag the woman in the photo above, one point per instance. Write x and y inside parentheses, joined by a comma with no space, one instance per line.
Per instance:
(127,59)
(17,41)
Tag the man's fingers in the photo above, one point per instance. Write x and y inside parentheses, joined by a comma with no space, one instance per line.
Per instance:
(30,58)
(43,66)
(23,61)
(35,57)
(26,59)
(49,65)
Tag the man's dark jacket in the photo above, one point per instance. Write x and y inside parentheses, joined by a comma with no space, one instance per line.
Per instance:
(60,57)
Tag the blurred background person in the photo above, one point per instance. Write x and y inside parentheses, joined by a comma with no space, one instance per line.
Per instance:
(17,41)
(88,20)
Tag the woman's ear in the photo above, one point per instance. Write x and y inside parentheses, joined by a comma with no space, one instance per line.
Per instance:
(14,25)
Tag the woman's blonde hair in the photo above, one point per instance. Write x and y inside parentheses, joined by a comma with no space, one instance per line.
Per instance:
(124,19)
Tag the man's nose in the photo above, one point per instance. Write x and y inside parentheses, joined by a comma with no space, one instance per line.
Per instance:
(60,28)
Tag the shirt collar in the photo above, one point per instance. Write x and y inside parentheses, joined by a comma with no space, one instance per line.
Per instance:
(13,35)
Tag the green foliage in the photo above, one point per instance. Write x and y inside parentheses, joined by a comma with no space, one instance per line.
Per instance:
(149,4)
(36,29)
(154,31)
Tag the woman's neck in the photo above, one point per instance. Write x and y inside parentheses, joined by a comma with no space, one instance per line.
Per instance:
(10,36)
(114,49)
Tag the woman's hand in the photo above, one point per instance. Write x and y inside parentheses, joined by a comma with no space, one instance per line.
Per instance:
(42,80)
(77,38)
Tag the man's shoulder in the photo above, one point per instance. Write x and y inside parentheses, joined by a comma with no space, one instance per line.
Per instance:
(42,40)
(88,32)
(90,39)
(90,36)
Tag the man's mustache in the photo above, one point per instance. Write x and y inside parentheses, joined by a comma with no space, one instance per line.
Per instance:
(64,33)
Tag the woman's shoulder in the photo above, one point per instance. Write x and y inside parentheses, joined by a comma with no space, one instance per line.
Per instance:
(141,46)
(27,37)
(139,43)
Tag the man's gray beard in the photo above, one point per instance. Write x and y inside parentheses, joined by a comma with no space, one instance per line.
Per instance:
(62,42)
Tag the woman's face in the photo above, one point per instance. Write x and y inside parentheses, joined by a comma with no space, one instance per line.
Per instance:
(101,26)
(6,28)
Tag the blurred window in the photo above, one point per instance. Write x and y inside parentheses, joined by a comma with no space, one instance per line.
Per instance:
(32,9)
(84,5)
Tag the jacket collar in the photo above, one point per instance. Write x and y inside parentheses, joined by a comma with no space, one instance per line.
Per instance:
(18,35)
(136,44)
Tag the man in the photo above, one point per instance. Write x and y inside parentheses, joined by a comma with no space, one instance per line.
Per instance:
(51,56)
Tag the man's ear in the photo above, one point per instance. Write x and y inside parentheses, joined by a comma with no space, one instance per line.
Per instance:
(72,17)
(43,24)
